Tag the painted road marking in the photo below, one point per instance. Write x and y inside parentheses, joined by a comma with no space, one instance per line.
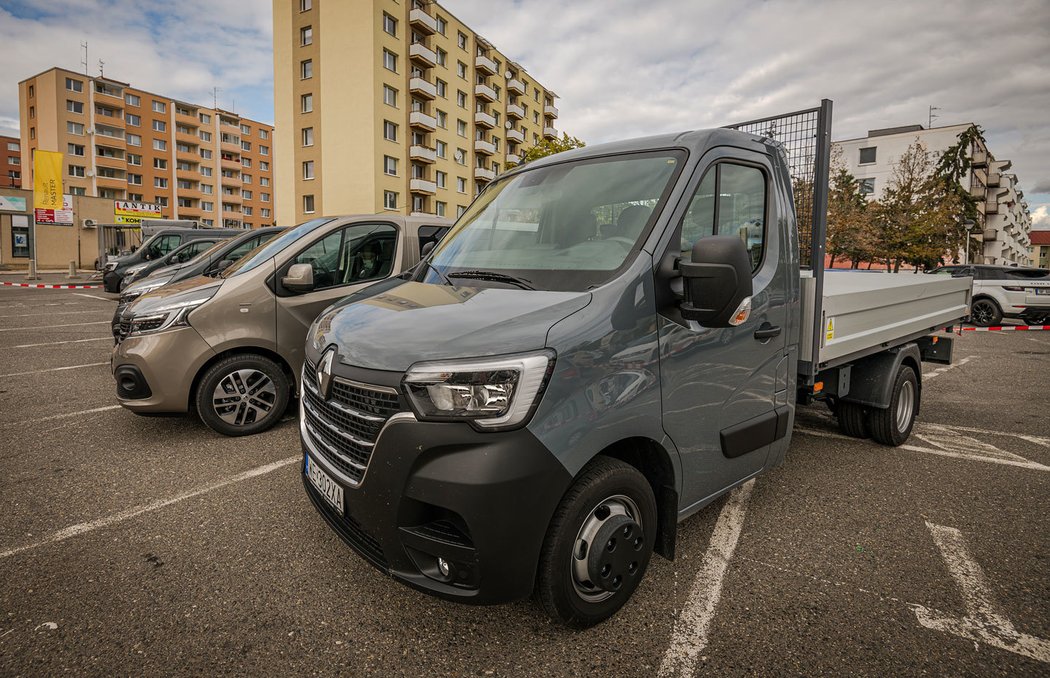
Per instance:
(91,526)
(692,626)
(53,369)
(92,296)
(51,327)
(34,315)
(64,415)
(983,621)
(56,343)
(941,370)
(1038,440)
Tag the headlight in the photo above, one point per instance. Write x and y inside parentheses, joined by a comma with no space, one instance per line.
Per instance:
(110,266)
(492,393)
(169,315)
(131,294)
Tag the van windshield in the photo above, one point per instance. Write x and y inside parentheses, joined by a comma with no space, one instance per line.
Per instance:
(272,248)
(567,227)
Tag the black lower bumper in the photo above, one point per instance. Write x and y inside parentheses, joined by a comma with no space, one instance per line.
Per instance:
(111,281)
(1034,313)
(480,502)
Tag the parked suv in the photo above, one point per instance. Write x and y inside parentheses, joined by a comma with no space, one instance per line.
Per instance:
(155,247)
(230,347)
(1005,292)
(210,262)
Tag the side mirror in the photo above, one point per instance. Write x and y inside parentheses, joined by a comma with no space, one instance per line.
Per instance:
(716,281)
(427,249)
(225,264)
(300,278)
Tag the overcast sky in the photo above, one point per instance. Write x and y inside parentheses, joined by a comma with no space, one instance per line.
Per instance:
(623,67)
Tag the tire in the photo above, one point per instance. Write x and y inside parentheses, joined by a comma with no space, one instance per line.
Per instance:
(985,312)
(892,425)
(853,420)
(1041,320)
(255,390)
(599,503)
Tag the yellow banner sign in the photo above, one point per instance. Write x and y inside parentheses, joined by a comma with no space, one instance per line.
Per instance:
(47,180)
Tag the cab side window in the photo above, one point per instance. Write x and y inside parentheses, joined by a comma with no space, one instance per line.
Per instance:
(351,255)
(164,244)
(730,200)
(191,251)
(242,249)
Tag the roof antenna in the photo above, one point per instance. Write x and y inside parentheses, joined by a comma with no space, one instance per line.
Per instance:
(84,61)
(215,97)
(933,116)
(101,68)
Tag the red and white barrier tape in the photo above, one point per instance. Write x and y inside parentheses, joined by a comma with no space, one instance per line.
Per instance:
(1001,328)
(51,287)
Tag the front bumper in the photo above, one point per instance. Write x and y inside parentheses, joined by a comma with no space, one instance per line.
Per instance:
(481,501)
(111,281)
(167,363)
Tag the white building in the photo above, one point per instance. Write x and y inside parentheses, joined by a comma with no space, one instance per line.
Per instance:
(1005,223)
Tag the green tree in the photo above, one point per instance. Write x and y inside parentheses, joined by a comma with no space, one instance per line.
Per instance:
(851,232)
(953,171)
(549,147)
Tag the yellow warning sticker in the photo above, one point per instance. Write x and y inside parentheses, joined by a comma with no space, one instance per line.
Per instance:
(829,331)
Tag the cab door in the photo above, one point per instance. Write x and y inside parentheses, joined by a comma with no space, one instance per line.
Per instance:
(343,260)
(721,386)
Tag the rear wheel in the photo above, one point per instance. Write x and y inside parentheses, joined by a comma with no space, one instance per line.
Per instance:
(892,425)
(242,395)
(598,544)
(985,312)
(852,420)
(1041,320)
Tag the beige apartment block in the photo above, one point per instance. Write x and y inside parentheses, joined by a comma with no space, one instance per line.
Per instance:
(394,105)
(123,143)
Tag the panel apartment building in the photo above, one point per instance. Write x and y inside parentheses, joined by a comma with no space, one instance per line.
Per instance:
(394,105)
(1005,222)
(124,143)
(10,162)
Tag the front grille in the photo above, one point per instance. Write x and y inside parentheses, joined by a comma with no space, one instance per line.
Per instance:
(123,329)
(345,426)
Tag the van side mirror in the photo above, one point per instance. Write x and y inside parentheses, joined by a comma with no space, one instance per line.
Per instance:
(427,249)
(300,278)
(716,281)
(223,265)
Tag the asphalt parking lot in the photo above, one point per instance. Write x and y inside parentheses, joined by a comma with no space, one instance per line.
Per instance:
(134,545)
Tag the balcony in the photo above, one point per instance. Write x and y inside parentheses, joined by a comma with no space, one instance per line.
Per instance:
(516,135)
(990,235)
(423,88)
(515,111)
(482,119)
(118,183)
(192,155)
(188,137)
(516,86)
(110,161)
(422,21)
(422,54)
(422,154)
(485,65)
(550,110)
(230,146)
(484,92)
(422,120)
(230,163)
(482,174)
(110,93)
(231,181)
(232,198)
(422,186)
(550,132)
(188,174)
(980,158)
(484,147)
(513,158)
(190,119)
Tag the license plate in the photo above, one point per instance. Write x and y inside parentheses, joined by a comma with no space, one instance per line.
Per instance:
(328,488)
(1042,290)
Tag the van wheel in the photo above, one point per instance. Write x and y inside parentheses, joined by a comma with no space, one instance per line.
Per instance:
(985,312)
(853,420)
(892,425)
(598,544)
(242,395)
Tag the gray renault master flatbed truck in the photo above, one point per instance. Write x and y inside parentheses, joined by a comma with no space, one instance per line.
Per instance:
(605,342)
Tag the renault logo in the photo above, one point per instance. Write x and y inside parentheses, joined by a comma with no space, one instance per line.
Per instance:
(324,372)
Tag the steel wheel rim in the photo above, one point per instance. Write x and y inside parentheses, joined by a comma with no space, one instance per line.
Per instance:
(244,397)
(581,581)
(905,406)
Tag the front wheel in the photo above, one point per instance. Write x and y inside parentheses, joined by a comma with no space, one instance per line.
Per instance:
(892,425)
(242,395)
(598,544)
(985,312)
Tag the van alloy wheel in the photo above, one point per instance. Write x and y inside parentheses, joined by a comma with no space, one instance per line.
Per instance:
(242,394)
(244,397)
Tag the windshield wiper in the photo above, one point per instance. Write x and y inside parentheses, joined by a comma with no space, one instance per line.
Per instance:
(427,264)
(494,277)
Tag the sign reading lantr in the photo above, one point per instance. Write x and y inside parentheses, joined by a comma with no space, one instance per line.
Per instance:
(128,212)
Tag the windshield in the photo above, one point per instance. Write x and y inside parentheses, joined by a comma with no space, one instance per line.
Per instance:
(564,227)
(272,248)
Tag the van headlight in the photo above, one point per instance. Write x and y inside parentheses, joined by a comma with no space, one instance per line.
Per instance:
(169,315)
(130,294)
(491,393)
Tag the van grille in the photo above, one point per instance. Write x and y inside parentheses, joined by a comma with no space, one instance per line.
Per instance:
(345,426)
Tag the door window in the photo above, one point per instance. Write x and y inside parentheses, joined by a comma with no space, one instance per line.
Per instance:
(191,250)
(351,255)
(730,200)
(242,249)
(164,244)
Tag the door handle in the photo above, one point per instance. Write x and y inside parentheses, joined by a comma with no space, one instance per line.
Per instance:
(766,331)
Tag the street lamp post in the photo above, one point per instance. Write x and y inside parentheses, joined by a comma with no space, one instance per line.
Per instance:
(969,226)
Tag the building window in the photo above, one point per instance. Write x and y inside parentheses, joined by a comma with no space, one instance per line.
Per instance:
(461,156)
(441,178)
(246,145)
(306,5)
(264,150)
(460,209)
(264,134)
(133,120)
(264,181)
(389,24)
(205,118)
(390,165)
(461,98)
(132,99)
(245,129)
(135,179)
(77,190)
(390,200)
(265,212)
(308,169)
(246,178)
(389,60)
(206,153)
(265,197)
(442,88)
(306,103)
(133,140)
(205,171)
(207,189)
(74,106)
(461,69)
(442,149)
(160,145)
(32,130)
(207,206)
(246,162)
(461,184)
(160,107)
(308,136)
(442,25)
(442,119)
(867,155)
(76,170)
(160,182)
(71,128)
(389,131)
(441,208)
(74,85)
(389,96)
(160,163)
(866,186)
(264,166)
(306,69)
(247,195)
(247,211)
(461,40)
(306,36)
(159,126)
(75,149)
(461,128)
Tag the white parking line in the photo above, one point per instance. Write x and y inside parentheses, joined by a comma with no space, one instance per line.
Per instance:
(983,621)
(51,327)
(689,637)
(34,315)
(64,415)
(91,526)
(93,296)
(56,343)
(52,369)
(941,370)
